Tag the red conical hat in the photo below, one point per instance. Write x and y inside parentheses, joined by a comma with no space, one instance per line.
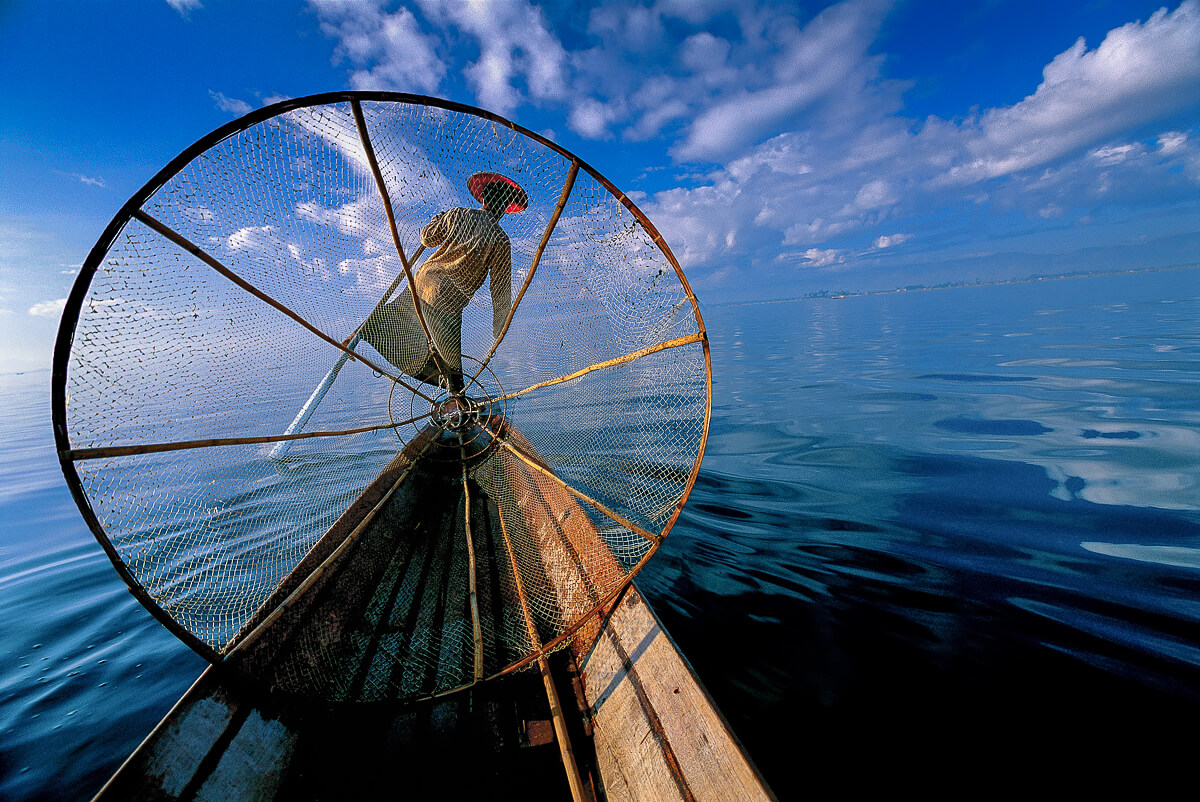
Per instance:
(477,182)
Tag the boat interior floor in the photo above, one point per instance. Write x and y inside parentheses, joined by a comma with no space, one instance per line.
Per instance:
(495,741)
(389,619)
(316,705)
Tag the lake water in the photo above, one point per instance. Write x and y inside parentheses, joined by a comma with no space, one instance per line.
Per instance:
(932,531)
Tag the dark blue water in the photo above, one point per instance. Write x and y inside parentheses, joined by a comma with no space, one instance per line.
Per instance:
(933,531)
(950,531)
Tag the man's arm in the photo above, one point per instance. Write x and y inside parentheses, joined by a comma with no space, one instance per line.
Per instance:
(434,232)
(501,281)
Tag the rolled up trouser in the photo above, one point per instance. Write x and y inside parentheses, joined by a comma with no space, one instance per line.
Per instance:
(395,332)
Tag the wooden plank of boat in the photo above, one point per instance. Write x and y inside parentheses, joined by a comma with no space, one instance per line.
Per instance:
(656,733)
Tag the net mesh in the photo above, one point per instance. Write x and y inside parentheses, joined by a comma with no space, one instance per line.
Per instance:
(422,538)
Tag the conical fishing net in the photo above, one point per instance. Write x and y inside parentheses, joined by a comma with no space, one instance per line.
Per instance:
(374,396)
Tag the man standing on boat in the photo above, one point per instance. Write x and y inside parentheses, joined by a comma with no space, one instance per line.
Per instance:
(471,246)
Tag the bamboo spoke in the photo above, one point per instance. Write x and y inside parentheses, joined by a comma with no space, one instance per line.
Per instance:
(208,259)
(609,363)
(363,135)
(568,633)
(533,266)
(579,494)
(534,639)
(471,571)
(158,448)
(560,727)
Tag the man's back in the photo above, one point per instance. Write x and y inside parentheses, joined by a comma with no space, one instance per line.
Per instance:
(470,244)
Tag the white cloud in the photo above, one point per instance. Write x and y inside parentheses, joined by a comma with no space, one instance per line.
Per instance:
(875,194)
(818,257)
(840,175)
(704,53)
(185,7)
(638,27)
(1172,142)
(806,134)
(267,241)
(95,181)
(519,57)
(372,274)
(515,45)
(1141,73)
(825,58)
(889,240)
(229,104)
(256,238)
(591,119)
(386,50)
(658,102)
(361,218)
(48,308)
(1113,154)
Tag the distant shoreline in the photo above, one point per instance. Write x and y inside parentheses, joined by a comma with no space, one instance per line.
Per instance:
(832,295)
(23,372)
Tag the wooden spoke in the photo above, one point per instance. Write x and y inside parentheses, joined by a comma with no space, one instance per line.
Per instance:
(158,448)
(363,135)
(579,494)
(471,572)
(208,259)
(609,363)
(534,639)
(560,724)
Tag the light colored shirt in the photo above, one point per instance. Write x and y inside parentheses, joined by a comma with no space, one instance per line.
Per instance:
(470,247)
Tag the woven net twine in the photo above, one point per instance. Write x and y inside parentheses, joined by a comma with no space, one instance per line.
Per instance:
(222,295)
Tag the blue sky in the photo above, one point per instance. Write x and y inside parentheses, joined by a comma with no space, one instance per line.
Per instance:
(780,147)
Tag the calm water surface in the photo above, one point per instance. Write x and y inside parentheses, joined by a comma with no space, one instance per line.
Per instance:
(932,531)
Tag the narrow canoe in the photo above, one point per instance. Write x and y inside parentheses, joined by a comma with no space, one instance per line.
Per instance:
(639,723)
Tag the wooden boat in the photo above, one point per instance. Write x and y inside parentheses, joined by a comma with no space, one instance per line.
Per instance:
(630,718)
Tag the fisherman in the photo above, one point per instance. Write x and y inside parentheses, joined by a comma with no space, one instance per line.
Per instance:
(470,247)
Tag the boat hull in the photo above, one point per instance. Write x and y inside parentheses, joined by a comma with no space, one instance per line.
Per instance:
(640,724)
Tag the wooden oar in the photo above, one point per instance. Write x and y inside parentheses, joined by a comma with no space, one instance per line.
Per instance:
(310,406)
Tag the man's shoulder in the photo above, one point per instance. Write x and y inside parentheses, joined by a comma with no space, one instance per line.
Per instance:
(467,215)
(476,220)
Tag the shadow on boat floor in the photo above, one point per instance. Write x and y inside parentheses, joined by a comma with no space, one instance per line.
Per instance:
(495,742)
